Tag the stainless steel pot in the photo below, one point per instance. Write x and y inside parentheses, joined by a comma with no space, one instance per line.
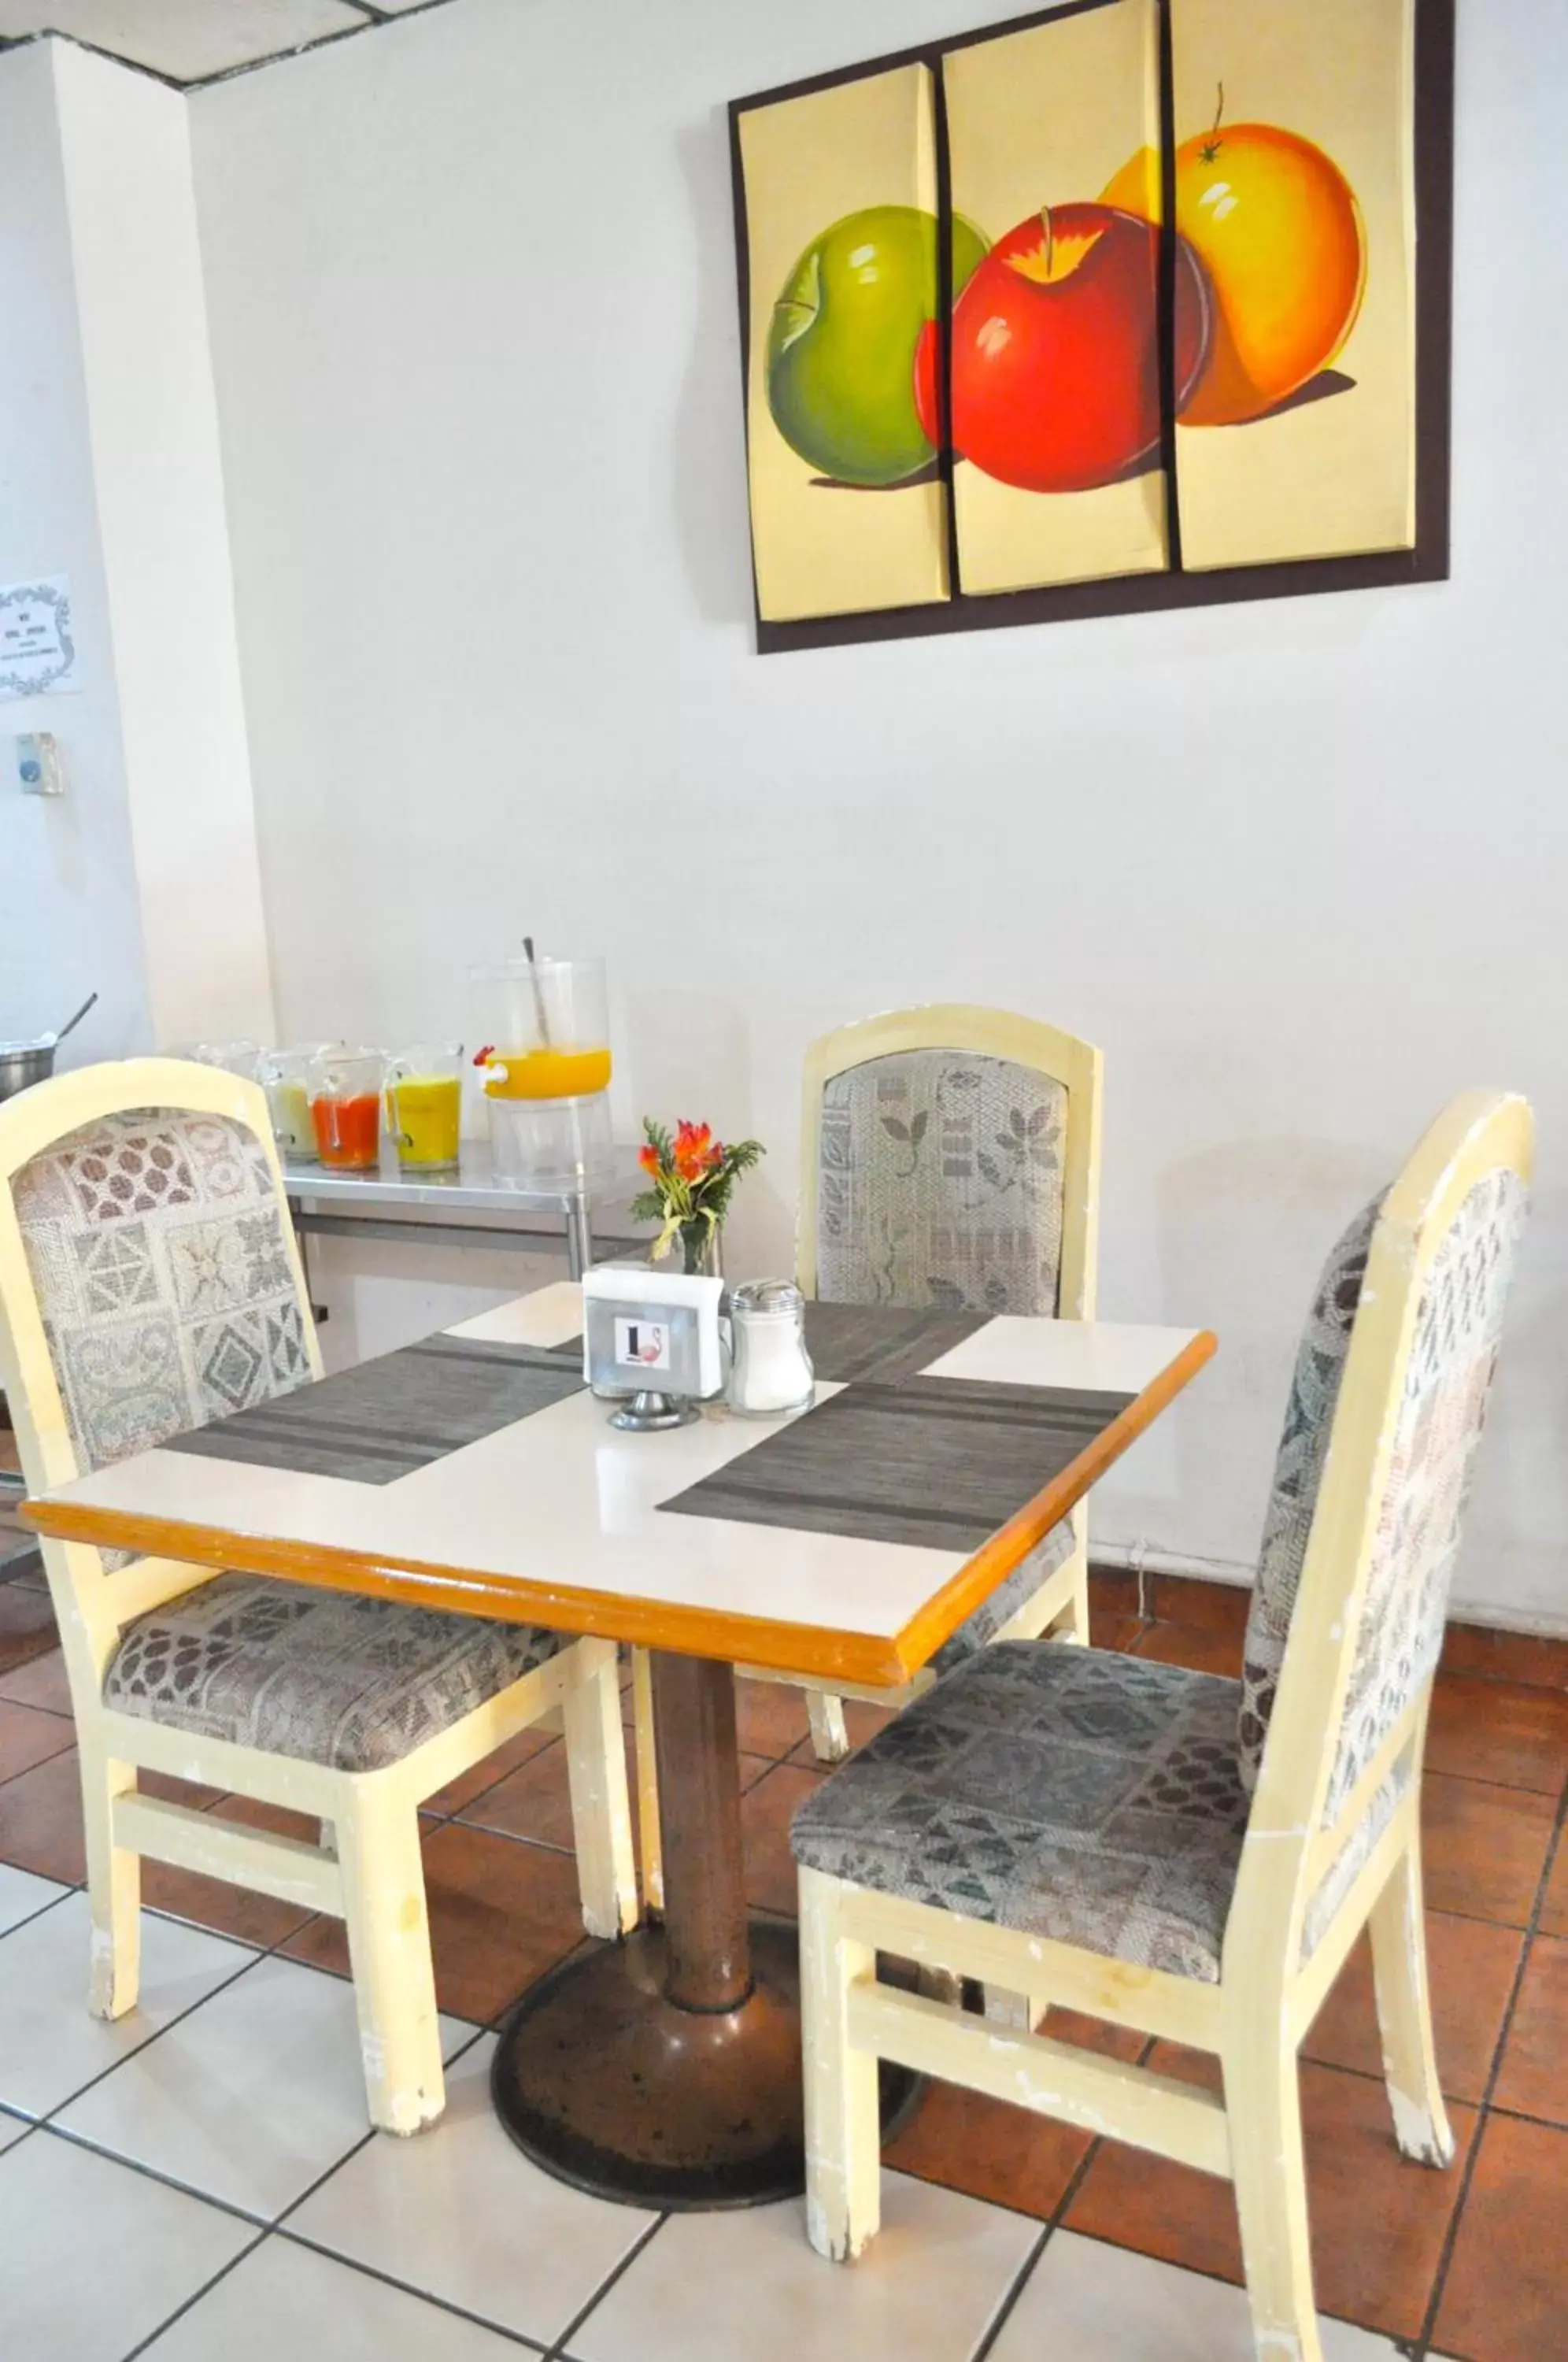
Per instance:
(22,1064)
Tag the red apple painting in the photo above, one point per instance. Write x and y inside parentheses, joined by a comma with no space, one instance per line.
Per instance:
(1055,372)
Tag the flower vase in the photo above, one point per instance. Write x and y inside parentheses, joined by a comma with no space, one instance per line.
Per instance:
(701,1249)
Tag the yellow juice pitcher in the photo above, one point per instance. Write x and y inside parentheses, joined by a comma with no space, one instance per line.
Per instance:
(424,1098)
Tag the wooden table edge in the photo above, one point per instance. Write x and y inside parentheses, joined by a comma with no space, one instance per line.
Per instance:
(878,1659)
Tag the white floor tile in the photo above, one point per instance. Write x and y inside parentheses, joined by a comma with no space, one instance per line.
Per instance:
(462,2214)
(21,1894)
(1101,2304)
(283,2301)
(48,2045)
(252,2097)
(712,2287)
(94,2256)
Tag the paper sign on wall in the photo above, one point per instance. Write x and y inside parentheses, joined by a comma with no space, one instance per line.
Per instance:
(37,653)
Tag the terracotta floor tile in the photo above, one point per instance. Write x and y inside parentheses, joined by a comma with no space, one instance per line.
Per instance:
(26,1625)
(1201,1650)
(28,1737)
(1213,1607)
(501,1914)
(766,1811)
(1484,1847)
(41,1683)
(988,2150)
(771,1718)
(170,1791)
(1534,2077)
(535,1802)
(1507,2297)
(1506,1656)
(1112,1591)
(473,1783)
(1120,1633)
(1500,1731)
(41,1820)
(1472,1966)
(1378,2223)
(1554,1903)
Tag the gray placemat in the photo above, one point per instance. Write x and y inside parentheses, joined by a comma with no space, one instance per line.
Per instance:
(941,1462)
(379,1421)
(887,1343)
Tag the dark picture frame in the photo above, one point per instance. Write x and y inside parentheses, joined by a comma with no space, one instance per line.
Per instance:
(1427,561)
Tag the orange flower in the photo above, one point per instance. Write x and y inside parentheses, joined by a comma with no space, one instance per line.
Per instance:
(648,1159)
(696,1151)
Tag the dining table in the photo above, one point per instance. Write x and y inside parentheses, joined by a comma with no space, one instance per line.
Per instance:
(844,1544)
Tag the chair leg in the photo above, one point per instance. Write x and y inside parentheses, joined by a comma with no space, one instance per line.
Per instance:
(389,1955)
(830,1734)
(114,1886)
(1262,2102)
(1405,2015)
(600,1803)
(843,2163)
(649,1829)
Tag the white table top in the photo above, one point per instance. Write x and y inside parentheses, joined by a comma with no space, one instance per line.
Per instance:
(557,1518)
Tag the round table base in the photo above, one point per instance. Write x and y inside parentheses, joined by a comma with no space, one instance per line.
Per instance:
(607,2085)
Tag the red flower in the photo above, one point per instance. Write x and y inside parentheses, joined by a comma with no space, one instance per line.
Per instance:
(648,1159)
(696,1151)
(482,1057)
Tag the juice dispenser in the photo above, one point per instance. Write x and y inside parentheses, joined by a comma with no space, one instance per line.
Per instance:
(544,1027)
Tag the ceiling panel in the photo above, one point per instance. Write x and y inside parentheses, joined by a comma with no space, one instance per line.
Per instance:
(187,39)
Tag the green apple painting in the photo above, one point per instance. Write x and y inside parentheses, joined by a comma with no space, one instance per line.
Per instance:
(847,330)
(848,510)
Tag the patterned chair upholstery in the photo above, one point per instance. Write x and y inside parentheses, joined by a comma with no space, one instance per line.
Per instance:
(157,1243)
(1405,1605)
(355,1684)
(940,1182)
(1066,1793)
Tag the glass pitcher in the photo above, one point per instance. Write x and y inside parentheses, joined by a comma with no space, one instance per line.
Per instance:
(284,1076)
(345,1088)
(425,1104)
(544,1027)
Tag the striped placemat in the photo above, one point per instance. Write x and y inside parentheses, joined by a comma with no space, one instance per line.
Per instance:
(941,1462)
(385,1418)
(887,1343)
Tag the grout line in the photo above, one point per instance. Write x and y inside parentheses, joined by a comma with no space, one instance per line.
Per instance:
(258,2223)
(194,2298)
(557,2352)
(390,2279)
(1421,2345)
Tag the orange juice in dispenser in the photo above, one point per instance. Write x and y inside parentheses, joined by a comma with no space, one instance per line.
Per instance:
(544,1029)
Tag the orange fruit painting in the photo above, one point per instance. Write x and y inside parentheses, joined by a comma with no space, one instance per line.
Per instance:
(1277,229)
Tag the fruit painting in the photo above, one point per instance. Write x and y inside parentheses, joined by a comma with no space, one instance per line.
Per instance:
(991,366)
(848,510)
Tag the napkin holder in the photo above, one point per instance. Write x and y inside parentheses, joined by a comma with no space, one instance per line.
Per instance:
(650,1343)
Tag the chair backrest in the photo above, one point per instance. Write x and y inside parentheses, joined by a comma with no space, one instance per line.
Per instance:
(950,1157)
(1386,1412)
(149,1280)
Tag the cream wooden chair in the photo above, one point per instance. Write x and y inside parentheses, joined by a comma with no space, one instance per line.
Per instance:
(1188,1856)
(150,1282)
(949,1159)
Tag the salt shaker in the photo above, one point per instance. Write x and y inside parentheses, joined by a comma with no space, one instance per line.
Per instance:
(770,1370)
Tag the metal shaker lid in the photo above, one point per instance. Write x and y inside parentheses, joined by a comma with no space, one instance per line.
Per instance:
(766,1295)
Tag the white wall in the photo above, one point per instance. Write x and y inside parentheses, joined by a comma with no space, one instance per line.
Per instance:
(69,915)
(153,426)
(1299,867)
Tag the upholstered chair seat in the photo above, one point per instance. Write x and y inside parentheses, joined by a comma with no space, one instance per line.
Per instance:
(1068,1793)
(328,1676)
